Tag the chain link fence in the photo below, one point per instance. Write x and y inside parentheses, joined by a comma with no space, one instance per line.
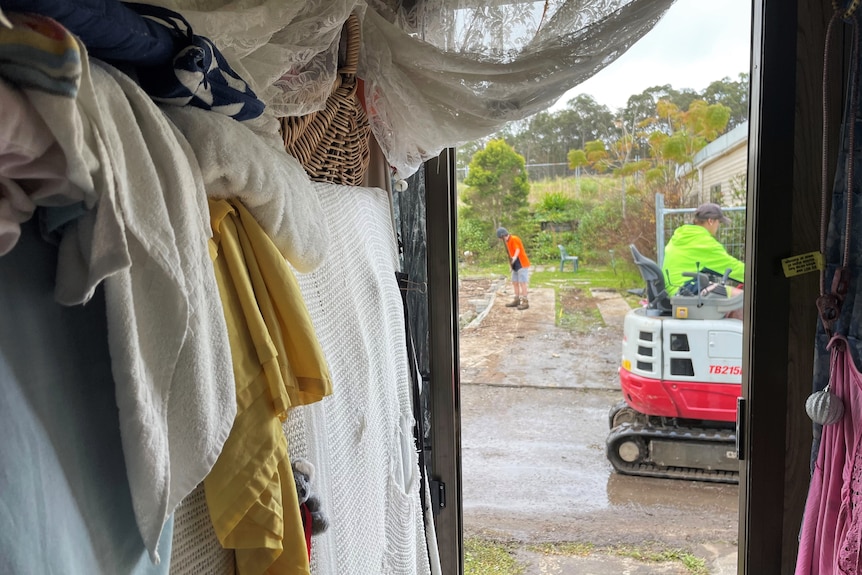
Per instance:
(667,220)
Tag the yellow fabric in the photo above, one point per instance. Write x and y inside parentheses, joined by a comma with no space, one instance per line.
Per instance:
(278,364)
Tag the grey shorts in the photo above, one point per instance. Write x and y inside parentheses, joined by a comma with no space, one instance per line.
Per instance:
(521,276)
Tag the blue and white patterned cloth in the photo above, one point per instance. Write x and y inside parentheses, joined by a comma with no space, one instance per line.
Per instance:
(201,75)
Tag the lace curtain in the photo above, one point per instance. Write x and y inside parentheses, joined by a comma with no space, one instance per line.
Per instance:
(437,73)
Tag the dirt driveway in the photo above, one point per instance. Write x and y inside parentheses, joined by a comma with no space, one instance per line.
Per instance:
(525,348)
(534,404)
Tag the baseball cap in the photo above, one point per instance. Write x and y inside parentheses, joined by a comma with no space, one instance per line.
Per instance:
(502,232)
(710,212)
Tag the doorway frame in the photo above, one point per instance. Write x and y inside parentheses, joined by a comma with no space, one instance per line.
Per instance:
(783,208)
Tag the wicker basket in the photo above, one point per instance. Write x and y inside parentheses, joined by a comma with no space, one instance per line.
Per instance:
(332,144)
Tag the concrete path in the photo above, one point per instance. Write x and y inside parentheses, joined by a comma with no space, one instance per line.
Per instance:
(611,305)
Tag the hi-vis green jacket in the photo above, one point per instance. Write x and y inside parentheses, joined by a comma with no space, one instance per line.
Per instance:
(691,245)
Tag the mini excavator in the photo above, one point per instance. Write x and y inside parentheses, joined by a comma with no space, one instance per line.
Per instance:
(681,375)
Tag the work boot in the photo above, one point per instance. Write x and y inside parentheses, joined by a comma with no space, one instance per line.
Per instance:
(514,303)
(523,304)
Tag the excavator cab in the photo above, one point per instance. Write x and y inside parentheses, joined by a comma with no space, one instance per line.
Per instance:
(707,295)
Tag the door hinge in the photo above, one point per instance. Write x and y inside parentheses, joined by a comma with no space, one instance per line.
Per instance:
(740,428)
(438,495)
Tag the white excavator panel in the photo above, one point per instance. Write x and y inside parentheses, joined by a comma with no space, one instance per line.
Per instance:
(702,350)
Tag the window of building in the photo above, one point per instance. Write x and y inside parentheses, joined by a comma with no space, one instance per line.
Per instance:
(715,193)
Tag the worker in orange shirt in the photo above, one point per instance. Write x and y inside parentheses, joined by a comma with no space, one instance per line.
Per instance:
(520,264)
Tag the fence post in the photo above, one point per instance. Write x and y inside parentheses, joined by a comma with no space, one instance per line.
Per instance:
(659,228)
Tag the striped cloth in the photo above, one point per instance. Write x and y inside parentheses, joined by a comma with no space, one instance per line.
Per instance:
(201,75)
(37,52)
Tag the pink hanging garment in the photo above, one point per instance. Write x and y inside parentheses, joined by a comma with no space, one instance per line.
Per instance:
(830,539)
(832,525)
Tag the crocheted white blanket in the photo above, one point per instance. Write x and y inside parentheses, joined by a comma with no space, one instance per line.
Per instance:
(360,439)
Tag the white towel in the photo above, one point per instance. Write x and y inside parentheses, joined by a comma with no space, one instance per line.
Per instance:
(238,163)
(96,249)
(177,422)
(170,355)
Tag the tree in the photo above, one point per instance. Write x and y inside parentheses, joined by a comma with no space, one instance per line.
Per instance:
(584,119)
(676,137)
(638,113)
(671,138)
(732,94)
(577,159)
(616,159)
(497,184)
(547,137)
(540,139)
(464,154)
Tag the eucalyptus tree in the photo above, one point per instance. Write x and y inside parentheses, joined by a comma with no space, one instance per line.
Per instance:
(549,135)
(586,120)
(541,142)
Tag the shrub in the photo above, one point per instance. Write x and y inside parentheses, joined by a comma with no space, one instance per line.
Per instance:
(544,248)
(554,203)
(600,230)
(474,236)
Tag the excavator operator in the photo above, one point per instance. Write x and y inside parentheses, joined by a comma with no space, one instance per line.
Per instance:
(693,248)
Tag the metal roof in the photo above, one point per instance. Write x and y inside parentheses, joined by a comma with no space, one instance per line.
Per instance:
(721,145)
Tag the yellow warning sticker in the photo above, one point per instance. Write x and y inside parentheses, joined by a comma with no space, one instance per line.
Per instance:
(802,264)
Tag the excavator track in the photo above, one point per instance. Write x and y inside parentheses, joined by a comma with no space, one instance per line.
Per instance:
(697,454)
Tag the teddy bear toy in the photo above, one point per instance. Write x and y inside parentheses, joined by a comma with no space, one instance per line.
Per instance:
(314,520)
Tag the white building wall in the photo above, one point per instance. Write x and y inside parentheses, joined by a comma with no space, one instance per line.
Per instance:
(723,170)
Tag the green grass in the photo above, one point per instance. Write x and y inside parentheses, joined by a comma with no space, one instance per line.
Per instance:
(603,186)
(694,565)
(483,557)
(567,549)
(623,278)
(604,277)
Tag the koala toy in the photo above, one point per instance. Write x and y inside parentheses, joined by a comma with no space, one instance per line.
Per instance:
(303,474)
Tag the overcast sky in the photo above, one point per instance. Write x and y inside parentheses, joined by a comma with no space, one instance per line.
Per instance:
(694,44)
